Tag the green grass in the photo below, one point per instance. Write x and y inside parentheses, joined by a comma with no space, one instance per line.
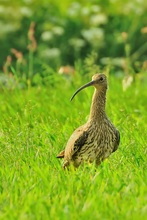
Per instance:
(35,125)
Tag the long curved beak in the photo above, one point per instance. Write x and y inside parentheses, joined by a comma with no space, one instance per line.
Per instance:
(81,88)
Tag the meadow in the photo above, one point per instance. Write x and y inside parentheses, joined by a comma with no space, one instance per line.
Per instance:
(37,38)
(35,125)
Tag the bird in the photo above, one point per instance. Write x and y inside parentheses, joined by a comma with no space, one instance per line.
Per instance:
(98,137)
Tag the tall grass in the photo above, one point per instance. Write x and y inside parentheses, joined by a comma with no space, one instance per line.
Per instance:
(35,125)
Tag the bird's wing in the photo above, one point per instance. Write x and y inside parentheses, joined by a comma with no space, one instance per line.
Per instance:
(80,141)
(76,141)
(117,141)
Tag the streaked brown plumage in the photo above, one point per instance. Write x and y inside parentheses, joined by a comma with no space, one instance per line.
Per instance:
(98,138)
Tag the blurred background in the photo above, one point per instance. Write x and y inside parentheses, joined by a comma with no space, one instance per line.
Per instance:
(40,37)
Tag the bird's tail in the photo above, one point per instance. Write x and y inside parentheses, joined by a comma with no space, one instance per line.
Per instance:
(61,154)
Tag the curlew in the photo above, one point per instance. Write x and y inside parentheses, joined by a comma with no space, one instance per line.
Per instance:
(98,138)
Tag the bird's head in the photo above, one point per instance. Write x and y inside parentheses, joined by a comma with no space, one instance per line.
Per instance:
(99,81)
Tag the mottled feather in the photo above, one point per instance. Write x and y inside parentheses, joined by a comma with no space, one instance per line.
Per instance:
(76,141)
(117,141)
(98,138)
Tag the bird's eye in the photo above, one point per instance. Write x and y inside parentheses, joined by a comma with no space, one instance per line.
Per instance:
(101,79)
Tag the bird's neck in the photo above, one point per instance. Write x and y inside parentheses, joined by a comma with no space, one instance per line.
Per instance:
(97,111)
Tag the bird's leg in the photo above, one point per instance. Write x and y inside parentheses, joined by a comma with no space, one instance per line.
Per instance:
(66,164)
(98,162)
(69,166)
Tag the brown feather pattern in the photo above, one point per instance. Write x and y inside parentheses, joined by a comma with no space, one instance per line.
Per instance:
(98,138)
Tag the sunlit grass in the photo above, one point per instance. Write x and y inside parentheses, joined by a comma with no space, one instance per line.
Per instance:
(35,125)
